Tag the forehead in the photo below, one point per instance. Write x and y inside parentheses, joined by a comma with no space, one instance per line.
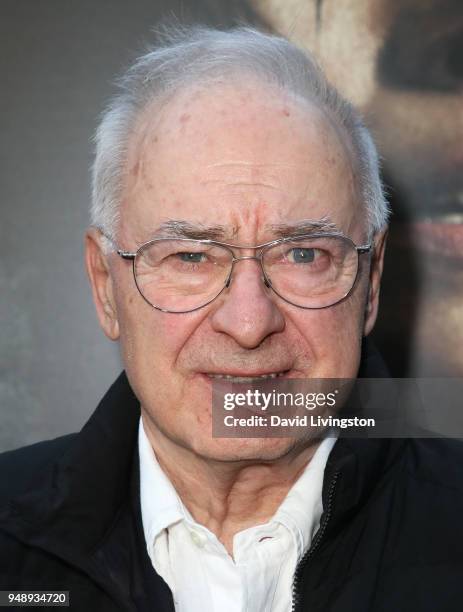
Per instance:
(232,152)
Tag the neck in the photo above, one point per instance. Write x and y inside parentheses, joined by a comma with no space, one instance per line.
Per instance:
(228,496)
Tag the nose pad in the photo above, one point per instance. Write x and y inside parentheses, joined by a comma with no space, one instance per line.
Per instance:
(267,282)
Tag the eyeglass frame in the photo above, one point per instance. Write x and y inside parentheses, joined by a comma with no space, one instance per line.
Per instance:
(132,255)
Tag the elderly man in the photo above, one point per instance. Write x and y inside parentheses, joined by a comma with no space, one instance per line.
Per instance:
(238,230)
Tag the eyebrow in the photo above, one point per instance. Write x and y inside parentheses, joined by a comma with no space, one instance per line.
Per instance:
(178,228)
(305,226)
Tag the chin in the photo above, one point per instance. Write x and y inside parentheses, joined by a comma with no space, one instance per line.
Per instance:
(246,449)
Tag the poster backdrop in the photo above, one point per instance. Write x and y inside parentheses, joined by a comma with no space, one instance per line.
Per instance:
(401,61)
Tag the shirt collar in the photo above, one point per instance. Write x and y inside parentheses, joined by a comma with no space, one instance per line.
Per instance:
(161,506)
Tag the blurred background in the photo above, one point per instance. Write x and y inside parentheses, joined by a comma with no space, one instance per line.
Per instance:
(400,61)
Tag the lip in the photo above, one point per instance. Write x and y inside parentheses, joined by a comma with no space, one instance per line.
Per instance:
(245,376)
(261,374)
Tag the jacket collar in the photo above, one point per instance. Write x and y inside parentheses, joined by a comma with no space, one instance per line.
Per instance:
(358,464)
(89,486)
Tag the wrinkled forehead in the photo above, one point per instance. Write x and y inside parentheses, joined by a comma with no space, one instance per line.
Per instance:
(234,147)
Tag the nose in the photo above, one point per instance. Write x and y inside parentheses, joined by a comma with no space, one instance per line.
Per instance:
(246,311)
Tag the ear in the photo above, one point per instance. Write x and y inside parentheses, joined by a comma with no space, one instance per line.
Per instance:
(101,282)
(376,270)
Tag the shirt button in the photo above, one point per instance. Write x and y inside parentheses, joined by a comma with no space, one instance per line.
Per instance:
(198,539)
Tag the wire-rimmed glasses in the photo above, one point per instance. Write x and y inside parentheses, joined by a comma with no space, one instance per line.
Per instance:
(180,275)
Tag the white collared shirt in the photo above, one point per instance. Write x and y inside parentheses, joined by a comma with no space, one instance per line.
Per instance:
(195,564)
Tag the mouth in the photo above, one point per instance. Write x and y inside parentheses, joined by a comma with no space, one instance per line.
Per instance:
(248,378)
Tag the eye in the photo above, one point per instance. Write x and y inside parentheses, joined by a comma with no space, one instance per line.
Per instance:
(191,257)
(302,255)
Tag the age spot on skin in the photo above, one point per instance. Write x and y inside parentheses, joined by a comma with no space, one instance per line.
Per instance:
(135,169)
(286,112)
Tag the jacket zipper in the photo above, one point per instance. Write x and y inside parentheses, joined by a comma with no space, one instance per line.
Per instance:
(315,544)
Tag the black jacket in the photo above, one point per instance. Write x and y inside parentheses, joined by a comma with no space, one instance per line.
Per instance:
(390,540)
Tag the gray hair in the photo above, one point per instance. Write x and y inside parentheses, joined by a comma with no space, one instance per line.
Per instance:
(201,55)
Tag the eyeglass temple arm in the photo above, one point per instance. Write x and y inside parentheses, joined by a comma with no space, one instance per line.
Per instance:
(364,248)
(125,254)
(120,252)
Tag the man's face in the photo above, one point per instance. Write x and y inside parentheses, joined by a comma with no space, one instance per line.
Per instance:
(244,158)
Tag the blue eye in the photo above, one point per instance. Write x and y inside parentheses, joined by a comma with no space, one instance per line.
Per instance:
(191,257)
(303,255)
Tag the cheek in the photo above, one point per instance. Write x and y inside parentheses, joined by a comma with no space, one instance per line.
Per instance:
(342,341)
(151,341)
(150,344)
(333,337)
